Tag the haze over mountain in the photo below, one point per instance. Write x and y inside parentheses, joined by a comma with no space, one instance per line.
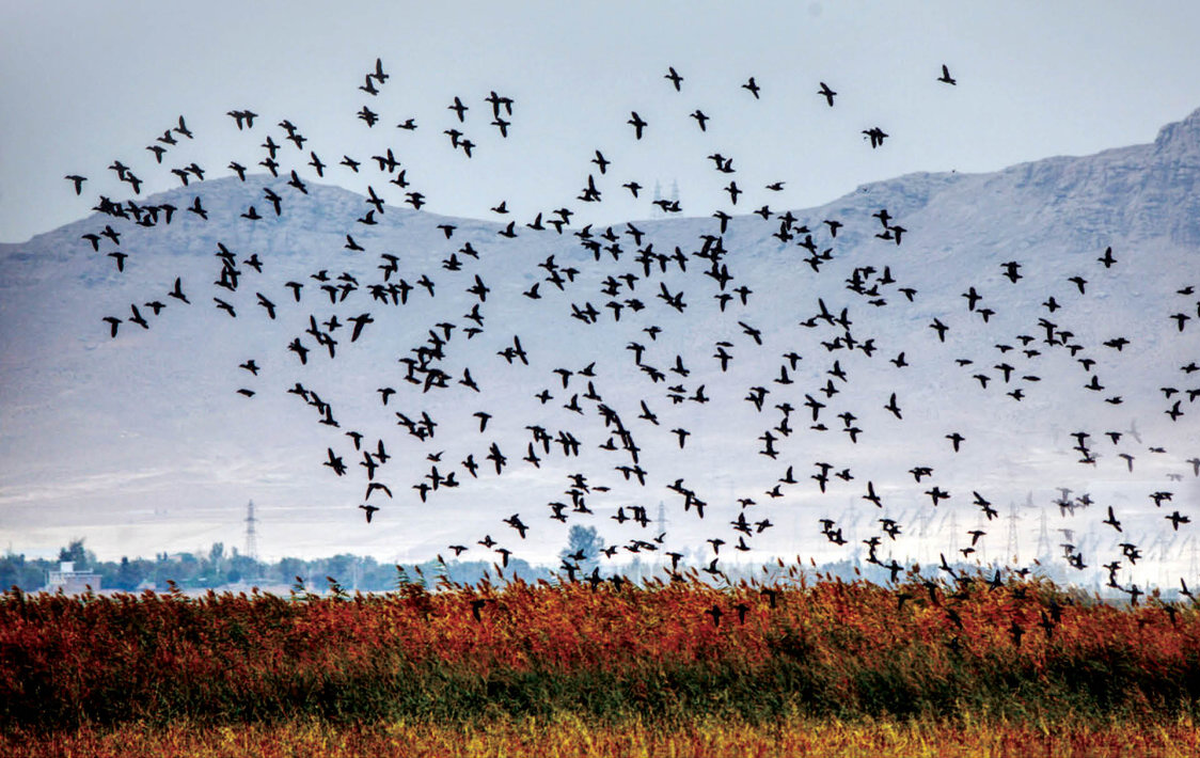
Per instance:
(143,443)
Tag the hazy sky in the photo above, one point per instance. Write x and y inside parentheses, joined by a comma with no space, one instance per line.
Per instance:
(84,83)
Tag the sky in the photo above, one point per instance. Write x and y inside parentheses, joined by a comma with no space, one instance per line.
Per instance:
(83,84)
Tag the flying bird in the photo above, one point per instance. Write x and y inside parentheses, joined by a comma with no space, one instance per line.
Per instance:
(827,93)
(675,78)
(638,125)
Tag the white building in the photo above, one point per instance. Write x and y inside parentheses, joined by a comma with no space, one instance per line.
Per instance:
(71,581)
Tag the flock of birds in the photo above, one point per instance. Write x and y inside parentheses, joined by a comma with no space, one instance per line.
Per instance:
(638,288)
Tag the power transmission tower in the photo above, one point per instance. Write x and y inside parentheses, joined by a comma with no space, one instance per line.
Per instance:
(1011,547)
(251,535)
(1193,566)
(662,528)
(1043,543)
(953,533)
(923,517)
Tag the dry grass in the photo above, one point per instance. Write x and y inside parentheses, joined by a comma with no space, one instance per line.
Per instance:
(677,669)
(568,737)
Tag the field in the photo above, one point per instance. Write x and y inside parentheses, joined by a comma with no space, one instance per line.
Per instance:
(974,666)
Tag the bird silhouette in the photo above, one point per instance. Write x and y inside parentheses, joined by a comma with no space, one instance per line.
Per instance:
(827,93)
(638,125)
(875,135)
(674,77)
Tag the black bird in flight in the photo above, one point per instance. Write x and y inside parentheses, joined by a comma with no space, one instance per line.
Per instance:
(827,93)
(1112,520)
(940,328)
(78,181)
(198,209)
(876,135)
(177,292)
(893,407)
(600,161)
(182,129)
(752,86)
(637,123)
(379,75)
(675,78)
(368,115)
(945,77)
(1176,519)
(243,118)
(871,496)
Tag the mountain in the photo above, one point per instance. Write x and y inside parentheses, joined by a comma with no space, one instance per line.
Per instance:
(143,439)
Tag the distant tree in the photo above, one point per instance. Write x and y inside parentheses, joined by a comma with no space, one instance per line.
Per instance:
(15,571)
(342,568)
(184,569)
(377,577)
(216,564)
(243,568)
(635,570)
(586,541)
(127,577)
(289,568)
(74,551)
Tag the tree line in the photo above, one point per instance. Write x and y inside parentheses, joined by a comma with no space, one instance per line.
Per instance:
(221,567)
